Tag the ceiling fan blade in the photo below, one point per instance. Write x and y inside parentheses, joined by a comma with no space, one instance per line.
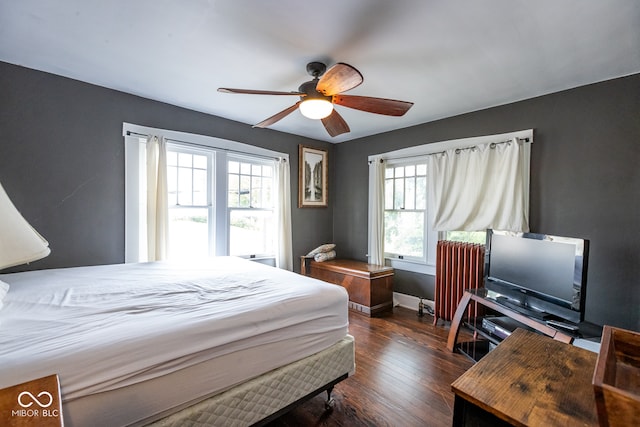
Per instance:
(277,117)
(388,107)
(257,92)
(335,124)
(339,78)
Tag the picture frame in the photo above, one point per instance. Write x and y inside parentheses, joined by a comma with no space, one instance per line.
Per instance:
(312,178)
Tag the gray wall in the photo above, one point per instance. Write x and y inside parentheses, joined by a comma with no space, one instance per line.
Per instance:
(62,164)
(585,182)
(61,161)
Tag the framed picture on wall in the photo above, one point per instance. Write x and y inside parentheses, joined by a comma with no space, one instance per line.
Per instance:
(312,178)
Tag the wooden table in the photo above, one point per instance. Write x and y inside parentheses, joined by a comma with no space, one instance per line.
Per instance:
(528,380)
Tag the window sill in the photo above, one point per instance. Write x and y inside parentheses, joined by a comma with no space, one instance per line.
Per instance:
(415,267)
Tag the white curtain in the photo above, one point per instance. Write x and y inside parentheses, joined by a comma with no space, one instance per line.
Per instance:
(284,255)
(157,203)
(376,211)
(479,188)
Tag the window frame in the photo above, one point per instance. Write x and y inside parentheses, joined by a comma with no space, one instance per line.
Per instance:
(135,182)
(211,188)
(428,266)
(398,257)
(252,160)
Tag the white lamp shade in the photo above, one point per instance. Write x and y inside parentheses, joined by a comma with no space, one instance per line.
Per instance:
(316,108)
(19,242)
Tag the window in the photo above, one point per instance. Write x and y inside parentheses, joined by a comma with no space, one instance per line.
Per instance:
(467,236)
(407,228)
(223,198)
(251,207)
(405,211)
(190,183)
(406,231)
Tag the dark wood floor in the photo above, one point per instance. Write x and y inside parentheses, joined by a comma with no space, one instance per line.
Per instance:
(403,377)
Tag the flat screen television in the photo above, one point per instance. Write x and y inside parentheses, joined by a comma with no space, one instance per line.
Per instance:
(538,274)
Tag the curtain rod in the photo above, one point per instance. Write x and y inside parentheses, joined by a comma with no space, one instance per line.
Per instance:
(458,150)
(130,133)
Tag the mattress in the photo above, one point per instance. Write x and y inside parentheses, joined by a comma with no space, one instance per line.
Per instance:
(133,341)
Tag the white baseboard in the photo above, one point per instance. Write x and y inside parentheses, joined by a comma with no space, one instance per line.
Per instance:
(409,301)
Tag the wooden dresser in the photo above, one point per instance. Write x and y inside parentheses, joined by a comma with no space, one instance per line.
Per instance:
(370,286)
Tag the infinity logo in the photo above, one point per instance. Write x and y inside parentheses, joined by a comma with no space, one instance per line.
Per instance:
(35,399)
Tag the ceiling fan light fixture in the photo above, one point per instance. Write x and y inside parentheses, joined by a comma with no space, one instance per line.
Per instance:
(316,108)
(318,95)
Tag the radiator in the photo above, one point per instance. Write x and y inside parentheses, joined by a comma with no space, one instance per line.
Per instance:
(459,266)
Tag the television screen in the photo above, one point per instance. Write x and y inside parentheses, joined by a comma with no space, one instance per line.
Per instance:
(547,269)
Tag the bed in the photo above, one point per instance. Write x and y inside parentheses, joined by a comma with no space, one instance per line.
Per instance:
(224,342)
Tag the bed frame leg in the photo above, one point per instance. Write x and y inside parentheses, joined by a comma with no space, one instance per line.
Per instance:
(330,402)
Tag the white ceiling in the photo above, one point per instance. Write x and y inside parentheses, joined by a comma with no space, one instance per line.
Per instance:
(448,57)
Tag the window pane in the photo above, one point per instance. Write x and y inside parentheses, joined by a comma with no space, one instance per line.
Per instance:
(200,162)
(184,186)
(388,173)
(398,202)
(172,158)
(200,187)
(399,172)
(245,188)
(251,232)
(234,167)
(388,194)
(267,170)
(421,169)
(410,170)
(188,232)
(256,170)
(267,193)
(185,160)
(404,233)
(410,193)
(234,190)
(245,168)
(467,236)
(421,193)
(256,192)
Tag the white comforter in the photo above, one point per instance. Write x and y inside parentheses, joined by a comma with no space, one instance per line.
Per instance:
(105,327)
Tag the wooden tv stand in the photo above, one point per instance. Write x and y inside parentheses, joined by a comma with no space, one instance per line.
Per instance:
(479,296)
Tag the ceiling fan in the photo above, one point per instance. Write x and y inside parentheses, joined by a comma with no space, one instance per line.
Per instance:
(317,97)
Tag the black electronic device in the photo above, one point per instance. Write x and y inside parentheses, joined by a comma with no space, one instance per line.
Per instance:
(501,326)
(563,325)
(539,274)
